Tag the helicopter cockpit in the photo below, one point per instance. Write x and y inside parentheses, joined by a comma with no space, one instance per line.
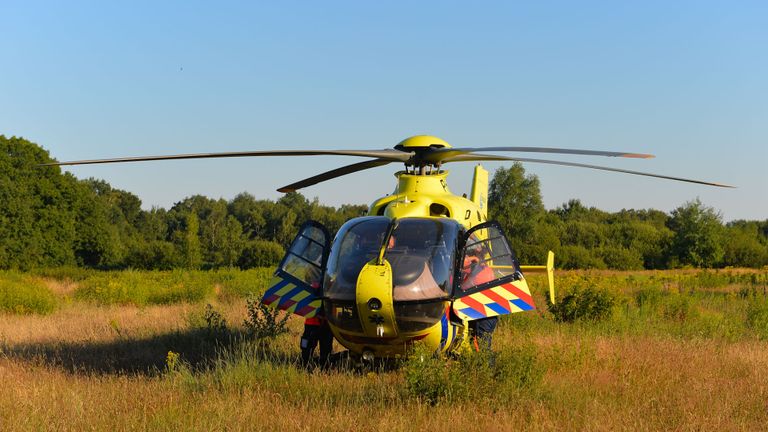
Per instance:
(421,253)
(394,277)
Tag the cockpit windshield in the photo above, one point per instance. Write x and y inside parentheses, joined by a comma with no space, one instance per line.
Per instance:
(420,251)
(357,243)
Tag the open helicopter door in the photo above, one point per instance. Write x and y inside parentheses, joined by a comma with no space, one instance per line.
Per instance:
(488,279)
(297,284)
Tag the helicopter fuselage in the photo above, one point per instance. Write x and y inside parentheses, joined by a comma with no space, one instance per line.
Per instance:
(418,268)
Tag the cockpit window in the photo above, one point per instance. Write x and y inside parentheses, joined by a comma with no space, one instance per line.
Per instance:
(358,242)
(421,253)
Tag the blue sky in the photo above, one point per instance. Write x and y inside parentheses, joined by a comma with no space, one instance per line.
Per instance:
(686,81)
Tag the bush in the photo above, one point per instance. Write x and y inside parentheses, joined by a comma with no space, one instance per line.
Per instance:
(431,378)
(679,308)
(264,322)
(473,376)
(23,294)
(588,304)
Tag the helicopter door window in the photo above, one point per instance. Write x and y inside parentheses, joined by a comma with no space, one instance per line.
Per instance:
(307,254)
(486,258)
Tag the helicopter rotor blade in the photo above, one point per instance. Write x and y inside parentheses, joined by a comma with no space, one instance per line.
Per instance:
(386,154)
(476,157)
(338,172)
(446,154)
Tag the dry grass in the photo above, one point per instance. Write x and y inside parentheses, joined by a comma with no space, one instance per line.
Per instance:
(65,371)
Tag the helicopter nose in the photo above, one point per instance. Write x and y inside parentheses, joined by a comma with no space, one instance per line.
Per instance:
(374,300)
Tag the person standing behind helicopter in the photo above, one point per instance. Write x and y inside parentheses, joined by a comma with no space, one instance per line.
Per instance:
(316,329)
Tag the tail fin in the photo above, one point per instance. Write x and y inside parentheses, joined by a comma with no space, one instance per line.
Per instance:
(549,269)
(480,190)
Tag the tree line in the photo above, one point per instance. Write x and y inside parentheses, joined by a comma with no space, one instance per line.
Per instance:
(692,235)
(49,218)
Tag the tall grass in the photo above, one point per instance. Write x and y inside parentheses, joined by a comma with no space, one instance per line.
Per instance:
(243,283)
(24,293)
(166,287)
(658,361)
(145,287)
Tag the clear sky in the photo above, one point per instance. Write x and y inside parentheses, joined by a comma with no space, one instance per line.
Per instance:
(686,81)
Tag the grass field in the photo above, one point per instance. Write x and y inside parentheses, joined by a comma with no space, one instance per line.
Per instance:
(682,350)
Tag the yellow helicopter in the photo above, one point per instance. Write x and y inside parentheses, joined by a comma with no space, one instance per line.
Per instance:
(422,265)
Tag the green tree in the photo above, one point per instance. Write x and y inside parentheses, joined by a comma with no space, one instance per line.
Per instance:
(193,257)
(744,246)
(98,243)
(153,255)
(698,234)
(515,202)
(651,242)
(249,212)
(260,253)
(37,221)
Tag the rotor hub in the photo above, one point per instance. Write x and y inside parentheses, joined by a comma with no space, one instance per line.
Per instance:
(422,146)
(421,142)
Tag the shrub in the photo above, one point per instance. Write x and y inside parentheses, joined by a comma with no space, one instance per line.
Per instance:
(679,308)
(264,322)
(215,323)
(588,303)
(23,294)
(154,255)
(518,367)
(433,379)
(473,376)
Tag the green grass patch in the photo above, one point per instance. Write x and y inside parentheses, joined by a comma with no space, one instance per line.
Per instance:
(166,287)
(70,273)
(146,287)
(757,317)
(243,283)
(25,294)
